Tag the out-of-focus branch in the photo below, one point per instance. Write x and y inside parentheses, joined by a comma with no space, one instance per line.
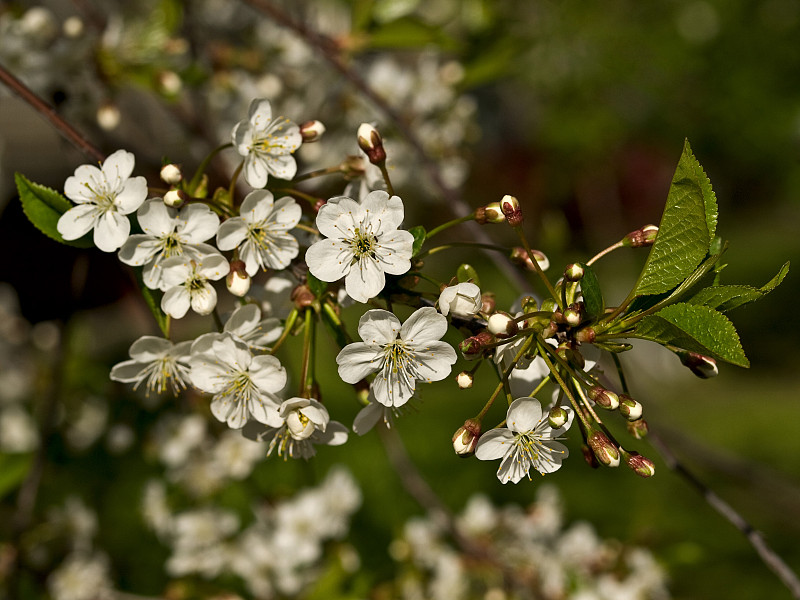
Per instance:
(72,135)
(330,51)
(770,558)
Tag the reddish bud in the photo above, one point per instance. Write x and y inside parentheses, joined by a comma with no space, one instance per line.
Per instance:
(704,367)
(237,280)
(642,466)
(557,417)
(502,325)
(519,256)
(370,141)
(512,211)
(466,438)
(311,131)
(641,237)
(603,397)
(302,296)
(473,347)
(573,272)
(638,428)
(630,408)
(604,449)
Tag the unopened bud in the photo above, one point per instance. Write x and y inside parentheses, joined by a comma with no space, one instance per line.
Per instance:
(630,408)
(465,380)
(302,296)
(520,257)
(466,438)
(573,272)
(370,141)
(311,131)
(704,367)
(171,174)
(641,237)
(174,198)
(572,316)
(638,428)
(585,335)
(512,211)
(639,464)
(557,417)
(491,213)
(352,167)
(529,304)
(502,325)
(362,391)
(603,397)
(604,449)
(237,280)
(473,347)
(488,303)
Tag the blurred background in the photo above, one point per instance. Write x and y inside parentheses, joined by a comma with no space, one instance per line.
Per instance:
(578,109)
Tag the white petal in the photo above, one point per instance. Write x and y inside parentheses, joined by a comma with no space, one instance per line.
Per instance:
(256,206)
(494,444)
(255,171)
(368,417)
(119,165)
(111,231)
(365,280)
(196,223)
(523,415)
(334,435)
(268,374)
(231,233)
(358,360)
(379,327)
(176,302)
(156,218)
(329,259)
(149,348)
(424,325)
(132,195)
(389,210)
(127,371)
(243,320)
(77,221)
(338,217)
(396,248)
(434,361)
(265,411)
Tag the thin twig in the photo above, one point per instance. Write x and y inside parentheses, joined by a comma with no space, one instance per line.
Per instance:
(72,135)
(330,50)
(769,557)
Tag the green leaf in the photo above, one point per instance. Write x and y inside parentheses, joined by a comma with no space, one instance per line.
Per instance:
(686,230)
(466,273)
(43,207)
(408,32)
(153,303)
(13,469)
(317,286)
(727,297)
(697,328)
(592,294)
(419,234)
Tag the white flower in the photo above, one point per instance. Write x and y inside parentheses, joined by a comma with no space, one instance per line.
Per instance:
(246,324)
(104,196)
(260,232)
(81,577)
(362,243)
(400,355)
(167,233)
(266,144)
(305,422)
(158,361)
(526,441)
(461,300)
(187,284)
(243,385)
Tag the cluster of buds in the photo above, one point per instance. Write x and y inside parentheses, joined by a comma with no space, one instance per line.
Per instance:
(171,175)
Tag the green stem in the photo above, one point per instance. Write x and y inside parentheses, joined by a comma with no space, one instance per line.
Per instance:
(385,173)
(198,174)
(287,329)
(461,245)
(536,266)
(307,369)
(448,224)
(554,373)
(318,173)
(602,253)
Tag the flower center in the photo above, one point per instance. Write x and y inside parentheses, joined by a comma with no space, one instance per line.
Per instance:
(364,244)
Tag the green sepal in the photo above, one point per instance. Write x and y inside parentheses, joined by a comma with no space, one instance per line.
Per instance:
(591,292)
(467,272)
(686,229)
(727,297)
(44,206)
(419,234)
(317,286)
(153,300)
(697,328)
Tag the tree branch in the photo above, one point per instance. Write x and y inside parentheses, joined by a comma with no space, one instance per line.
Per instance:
(72,135)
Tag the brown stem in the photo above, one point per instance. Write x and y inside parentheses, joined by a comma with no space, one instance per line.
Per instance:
(72,135)
(768,556)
